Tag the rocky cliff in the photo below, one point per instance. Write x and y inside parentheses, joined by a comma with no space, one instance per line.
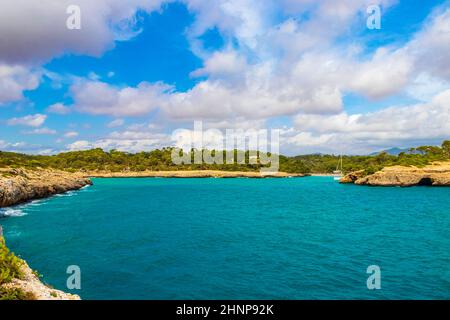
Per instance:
(30,284)
(19,282)
(436,174)
(19,185)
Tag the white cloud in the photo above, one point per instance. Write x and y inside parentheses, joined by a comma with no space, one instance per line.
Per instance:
(128,141)
(79,145)
(269,66)
(116,123)
(431,46)
(35,120)
(41,131)
(21,147)
(296,65)
(14,80)
(71,134)
(8,146)
(98,98)
(135,138)
(58,108)
(36,31)
(222,64)
(307,139)
(393,126)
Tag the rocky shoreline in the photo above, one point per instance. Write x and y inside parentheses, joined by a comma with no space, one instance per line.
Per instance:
(436,174)
(21,185)
(30,284)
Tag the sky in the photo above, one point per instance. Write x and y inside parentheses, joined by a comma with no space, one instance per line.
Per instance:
(136,71)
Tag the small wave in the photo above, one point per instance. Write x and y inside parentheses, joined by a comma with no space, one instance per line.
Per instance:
(66,194)
(10,212)
(35,203)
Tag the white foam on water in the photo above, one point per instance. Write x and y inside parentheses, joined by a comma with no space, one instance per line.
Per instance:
(12,212)
(66,194)
(35,203)
(19,212)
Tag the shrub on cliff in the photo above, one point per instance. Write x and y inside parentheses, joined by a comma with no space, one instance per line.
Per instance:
(10,265)
(15,294)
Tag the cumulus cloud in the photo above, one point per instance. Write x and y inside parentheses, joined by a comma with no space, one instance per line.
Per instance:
(58,108)
(129,142)
(71,134)
(271,65)
(134,138)
(14,80)
(116,123)
(36,31)
(23,147)
(35,120)
(95,97)
(41,131)
(79,145)
(431,46)
(296,66)
(393,126)
(8,146)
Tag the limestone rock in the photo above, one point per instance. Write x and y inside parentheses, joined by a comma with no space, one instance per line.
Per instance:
(30,283)
(352,176)
(436,174)
(20,185)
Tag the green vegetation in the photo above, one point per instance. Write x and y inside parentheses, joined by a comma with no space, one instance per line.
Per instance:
(15,294)
(418,157)
(159,160)
(10,268)
(10,265)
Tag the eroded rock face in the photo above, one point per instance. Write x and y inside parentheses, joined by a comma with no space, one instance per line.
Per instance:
(352,177)
(437,174)
(18,185)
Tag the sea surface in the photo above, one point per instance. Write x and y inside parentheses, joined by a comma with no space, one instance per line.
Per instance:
(298,238)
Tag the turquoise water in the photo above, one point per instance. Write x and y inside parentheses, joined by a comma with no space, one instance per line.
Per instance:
(300,238)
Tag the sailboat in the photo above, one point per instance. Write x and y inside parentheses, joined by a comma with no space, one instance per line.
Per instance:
(337,174)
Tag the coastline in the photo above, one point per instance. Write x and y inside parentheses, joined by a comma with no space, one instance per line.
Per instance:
(322,175)
(191,174)
(18,186)
(436,174)
(21,185)
(23,283)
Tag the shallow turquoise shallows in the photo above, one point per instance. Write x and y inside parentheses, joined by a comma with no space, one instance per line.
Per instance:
(299,238)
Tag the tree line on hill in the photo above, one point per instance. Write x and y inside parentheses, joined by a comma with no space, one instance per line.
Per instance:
(161,159)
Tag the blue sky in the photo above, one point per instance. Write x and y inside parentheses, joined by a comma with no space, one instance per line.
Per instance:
(138,70)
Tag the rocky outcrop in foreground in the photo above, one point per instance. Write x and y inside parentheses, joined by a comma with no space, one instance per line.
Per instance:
(436,174)
(33,287)
(19,185)
(191,174)
(19,282)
